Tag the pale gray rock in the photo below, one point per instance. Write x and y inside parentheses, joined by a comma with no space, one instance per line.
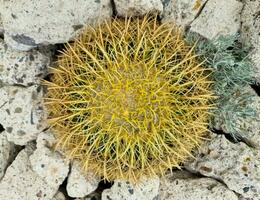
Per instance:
(188,187)
(1,25)
(236,165)
(81,184)
(23,68)
(22,113)
(49,165)
(137,7)
(59,196)
(121,190)
(7,150)
(181,12)
(22,183)
(219,17)
(29,23)
(250,18)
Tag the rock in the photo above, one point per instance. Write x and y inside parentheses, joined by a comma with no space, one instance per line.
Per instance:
(193,188)
(49,165)
(21,182)
(1,26)
(147,189)
(182,12)
(219,17)
(29,23)
(21,113)
(236,165)
(250,28)
(23,68)
(250,126)
(80,184)
(7,152)
(59,196)
(137,7)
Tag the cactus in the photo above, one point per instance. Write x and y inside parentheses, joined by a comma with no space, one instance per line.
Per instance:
(129,98)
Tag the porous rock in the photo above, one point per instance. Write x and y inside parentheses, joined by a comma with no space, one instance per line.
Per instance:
(23,68)
(123,190)
(21,182)
(236,165)
(250,18)
(28,23)
(22,113)
(181,12)
(81,184)
(177,187)
(137,7)
(7,151)
(1,25)
(49,164)
(219,17)
(59,196)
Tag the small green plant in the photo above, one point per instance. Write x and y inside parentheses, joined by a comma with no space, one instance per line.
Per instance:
(129,98)
(232,72)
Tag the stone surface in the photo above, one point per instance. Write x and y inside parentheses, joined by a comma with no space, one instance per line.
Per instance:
(236,165)
(22,183)
(23,68)
(173,187)
(28,23)
(7,150)
(59,196)
(81,184)
(21,113)
(1,25)
(137,7)
(219,17)
(49,165)
(181,12)
(250,18)
(147,189)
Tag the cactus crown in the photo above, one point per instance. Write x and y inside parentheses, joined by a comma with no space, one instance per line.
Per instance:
(128,99)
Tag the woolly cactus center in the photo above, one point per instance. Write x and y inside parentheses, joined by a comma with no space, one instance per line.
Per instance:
(130,100)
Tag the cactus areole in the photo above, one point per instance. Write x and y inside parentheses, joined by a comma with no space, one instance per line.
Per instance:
(129,98)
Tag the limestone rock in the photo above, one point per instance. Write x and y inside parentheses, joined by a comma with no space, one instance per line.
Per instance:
(137,7)
(21,182)
(23,68)
(59,196)
(236,165)
(49,165)
(193,188)
(7,150)
(147,189)
(29,23)
(80,184)
(1,25)
(219,17)
(22,114)
(181,12)
(250,29)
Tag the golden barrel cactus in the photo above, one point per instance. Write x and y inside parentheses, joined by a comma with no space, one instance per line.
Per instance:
(129,98)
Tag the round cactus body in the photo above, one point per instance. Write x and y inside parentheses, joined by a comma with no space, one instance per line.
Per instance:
(129,98)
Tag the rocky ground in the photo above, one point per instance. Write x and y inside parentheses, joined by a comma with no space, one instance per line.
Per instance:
(31,32)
